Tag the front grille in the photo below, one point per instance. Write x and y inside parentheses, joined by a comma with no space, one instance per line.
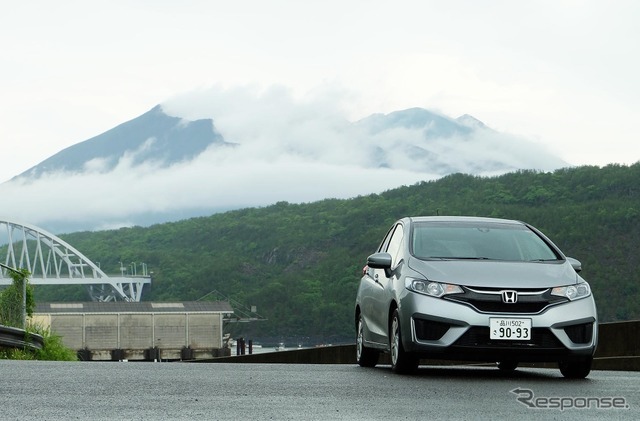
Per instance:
(580,334)
(429,330)
(489,300)
(478,336)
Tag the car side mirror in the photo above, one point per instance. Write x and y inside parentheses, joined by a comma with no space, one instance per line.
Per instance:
(575,264)
(380,261)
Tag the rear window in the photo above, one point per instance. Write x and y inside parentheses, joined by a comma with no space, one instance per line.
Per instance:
(468,240)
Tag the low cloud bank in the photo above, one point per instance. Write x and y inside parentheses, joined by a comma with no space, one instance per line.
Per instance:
(217,179)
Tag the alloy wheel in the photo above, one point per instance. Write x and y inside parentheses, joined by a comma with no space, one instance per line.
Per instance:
(395,340)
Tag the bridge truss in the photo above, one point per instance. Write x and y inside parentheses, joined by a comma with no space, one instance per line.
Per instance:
(51,261)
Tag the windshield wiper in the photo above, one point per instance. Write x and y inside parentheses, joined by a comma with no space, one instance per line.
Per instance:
(459,258)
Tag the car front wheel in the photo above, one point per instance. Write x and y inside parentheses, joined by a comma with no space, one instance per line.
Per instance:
(366,357)
(401,361)
(507,365)
(578,369)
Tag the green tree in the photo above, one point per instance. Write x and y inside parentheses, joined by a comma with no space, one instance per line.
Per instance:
(12,299)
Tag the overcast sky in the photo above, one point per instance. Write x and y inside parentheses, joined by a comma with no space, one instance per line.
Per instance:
(561,73)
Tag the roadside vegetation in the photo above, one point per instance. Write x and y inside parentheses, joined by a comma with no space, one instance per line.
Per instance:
(13,309)
(300,264)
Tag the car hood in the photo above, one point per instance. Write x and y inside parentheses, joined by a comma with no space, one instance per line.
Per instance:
(499,274)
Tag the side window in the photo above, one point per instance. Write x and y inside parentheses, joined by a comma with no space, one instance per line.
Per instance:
(385,242)
(395,244)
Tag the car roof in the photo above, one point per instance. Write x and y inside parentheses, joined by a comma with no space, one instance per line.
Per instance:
(463,219)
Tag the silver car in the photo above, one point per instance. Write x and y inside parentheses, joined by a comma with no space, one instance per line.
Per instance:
(474,289)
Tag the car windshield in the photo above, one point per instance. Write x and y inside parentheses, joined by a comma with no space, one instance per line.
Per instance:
(482,241)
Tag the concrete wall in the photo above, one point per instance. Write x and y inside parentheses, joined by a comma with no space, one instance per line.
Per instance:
(618,346)
(205,331)
(70,328)
(100,330)
(171,331)
(135,333)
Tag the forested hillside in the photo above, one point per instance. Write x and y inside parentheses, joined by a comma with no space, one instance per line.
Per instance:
(300,263)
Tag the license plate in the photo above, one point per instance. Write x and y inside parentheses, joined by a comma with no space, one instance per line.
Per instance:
(510,329)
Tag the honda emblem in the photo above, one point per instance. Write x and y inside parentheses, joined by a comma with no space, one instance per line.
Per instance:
(510,297)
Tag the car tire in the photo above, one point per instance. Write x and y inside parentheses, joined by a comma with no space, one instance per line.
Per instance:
(507,366)
(402,362)
(365,357)
(576,369)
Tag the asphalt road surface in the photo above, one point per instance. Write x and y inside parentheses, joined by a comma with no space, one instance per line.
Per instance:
(158,391)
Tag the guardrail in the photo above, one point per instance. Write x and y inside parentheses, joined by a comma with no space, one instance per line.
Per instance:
(12,337)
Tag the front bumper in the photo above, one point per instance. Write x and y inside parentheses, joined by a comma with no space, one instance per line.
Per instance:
(449,330)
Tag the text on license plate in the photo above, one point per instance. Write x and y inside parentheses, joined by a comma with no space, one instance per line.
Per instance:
(510,329)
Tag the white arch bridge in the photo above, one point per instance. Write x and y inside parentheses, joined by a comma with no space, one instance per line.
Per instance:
(51,261)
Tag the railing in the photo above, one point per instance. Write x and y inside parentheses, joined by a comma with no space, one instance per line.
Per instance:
(12,337)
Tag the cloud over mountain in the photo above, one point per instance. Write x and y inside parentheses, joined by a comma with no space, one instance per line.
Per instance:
(220,149)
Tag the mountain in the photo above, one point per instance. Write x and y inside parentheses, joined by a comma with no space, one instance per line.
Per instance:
(424,141)
(470,121)
(433,125)
(153,136)
(163,166)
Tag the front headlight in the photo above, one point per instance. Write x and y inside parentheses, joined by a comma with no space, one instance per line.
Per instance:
(434,289)
(573,292)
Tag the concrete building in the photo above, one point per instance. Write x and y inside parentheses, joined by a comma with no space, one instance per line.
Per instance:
(144,331)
